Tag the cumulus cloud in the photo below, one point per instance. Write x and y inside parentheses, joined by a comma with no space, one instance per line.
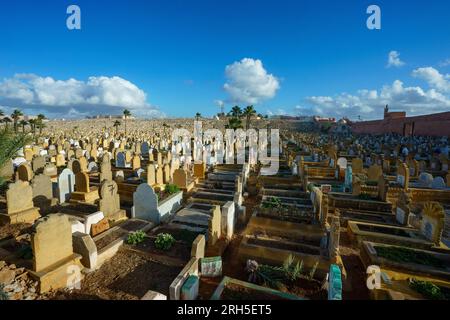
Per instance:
(370,103)
(248,82)
(394,59)
(97,95)
(434,78)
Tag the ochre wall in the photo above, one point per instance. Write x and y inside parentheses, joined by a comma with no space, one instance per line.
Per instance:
(430,125)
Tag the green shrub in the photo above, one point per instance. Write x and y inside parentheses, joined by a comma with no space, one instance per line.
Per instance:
(164,241)
(171,189)
(399,254)
(427,289)
(136,237)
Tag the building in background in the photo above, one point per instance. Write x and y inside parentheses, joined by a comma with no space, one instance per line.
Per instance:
(437,124)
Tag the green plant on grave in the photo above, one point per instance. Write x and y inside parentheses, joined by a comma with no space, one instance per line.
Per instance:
(264,274)
(427,289)
(279,276)
(312,272)
(365,196)
(3,294)
(292,271)
(171,188)
(164,241)
(272,202)
(405,255)
(136,237)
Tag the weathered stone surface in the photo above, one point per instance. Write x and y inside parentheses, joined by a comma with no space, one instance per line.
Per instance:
(84,245)
(51,241)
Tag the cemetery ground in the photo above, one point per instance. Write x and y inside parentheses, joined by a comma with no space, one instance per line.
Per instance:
(142,221)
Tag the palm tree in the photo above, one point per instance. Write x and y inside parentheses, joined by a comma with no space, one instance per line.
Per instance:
(40,122)
(126,114)
(10,143)
(6,120)
(248,113)
(16,115)
(198,115)
(236,112)
(117,125)
(234,123)
(32,123)
(23,123)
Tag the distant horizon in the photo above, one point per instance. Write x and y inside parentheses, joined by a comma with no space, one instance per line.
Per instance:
(175,58)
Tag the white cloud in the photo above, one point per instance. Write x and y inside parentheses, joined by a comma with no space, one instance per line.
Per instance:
(394,59)
(434,78)
(370,103)
(445,63)
(97,95)
(248,82)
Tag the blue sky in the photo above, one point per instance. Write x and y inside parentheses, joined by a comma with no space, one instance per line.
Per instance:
(170,57)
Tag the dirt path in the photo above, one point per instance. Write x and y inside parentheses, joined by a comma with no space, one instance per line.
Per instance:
(356,288)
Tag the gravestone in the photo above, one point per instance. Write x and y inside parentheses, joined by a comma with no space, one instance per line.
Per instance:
(151,176)
(348,178)
(50,170)
(92,167)
(189,290)
(109,202)
(180,178)
(53,257)
(438,183)
(145,204)
(66,185)
(60,160)
(136,162)
(425,179)
(342,163)
(120,160)
(374,172)
(38,164)
(357,165)
(403,175)
(24,172)
(19,204)
(432,224)
(42,191)
(159,176)
(105,168)
(214,226)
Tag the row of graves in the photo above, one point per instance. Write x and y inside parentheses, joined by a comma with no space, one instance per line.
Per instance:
(80,204)
(288,244)
(395,208)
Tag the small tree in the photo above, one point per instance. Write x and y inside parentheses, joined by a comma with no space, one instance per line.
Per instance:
(117,125)
(15,116)
(248,113)
(126,114)
(236,112)
(23,123)
(40,122)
